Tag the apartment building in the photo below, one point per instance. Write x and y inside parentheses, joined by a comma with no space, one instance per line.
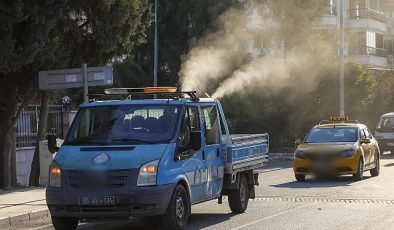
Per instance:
(369,29)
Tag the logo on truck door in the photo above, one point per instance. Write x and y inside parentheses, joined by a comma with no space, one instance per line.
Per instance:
(101,159)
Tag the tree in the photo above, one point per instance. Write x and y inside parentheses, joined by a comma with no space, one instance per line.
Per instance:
(47,34)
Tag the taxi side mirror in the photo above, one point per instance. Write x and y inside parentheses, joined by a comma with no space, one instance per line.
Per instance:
(365,141)
(298,142)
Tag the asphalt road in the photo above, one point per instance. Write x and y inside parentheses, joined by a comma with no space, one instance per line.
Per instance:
(283,203)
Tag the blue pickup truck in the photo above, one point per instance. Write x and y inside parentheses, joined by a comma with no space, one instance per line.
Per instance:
(139,157)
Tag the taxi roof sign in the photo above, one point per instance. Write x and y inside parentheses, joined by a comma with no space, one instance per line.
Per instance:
(338,119)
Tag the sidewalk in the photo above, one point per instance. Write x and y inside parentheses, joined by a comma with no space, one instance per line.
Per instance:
(22,205)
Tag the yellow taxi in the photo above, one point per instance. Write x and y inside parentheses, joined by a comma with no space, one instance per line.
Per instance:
(337,147)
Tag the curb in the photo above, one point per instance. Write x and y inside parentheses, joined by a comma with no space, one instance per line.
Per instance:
(29,216)
(281,156)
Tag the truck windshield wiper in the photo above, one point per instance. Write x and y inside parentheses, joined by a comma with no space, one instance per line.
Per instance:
(132,140)
(86,141)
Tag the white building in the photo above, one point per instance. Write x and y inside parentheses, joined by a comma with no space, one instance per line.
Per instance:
(369,29)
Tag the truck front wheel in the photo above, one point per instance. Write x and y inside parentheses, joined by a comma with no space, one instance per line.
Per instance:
(64,223)
(238,198)
(178,210)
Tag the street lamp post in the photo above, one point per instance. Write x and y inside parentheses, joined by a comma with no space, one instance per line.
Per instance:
(155,55)
(341,58)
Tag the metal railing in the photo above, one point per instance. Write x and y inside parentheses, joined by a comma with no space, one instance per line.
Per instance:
(367,50)
(362,13)
(27,124)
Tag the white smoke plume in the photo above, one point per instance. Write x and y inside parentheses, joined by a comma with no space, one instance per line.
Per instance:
(223,62)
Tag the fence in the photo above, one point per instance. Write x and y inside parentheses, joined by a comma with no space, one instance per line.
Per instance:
(27,124)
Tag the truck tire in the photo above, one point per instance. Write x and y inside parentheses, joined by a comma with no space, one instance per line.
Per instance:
(64,223)
(375,171)
(360,171)
(178,211)
(238,198)
(300,177)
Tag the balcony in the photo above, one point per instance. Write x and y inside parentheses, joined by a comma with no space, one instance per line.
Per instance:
(365,18)
(329,19)
(369,56)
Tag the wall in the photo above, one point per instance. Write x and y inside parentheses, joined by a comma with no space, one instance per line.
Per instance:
(24,157)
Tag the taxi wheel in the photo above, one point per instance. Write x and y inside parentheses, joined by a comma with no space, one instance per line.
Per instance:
(64,223)
(375,171)
(178,211)
(300,177)
(360,172)
(238,198)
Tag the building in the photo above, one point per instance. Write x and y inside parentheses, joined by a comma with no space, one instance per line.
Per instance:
(369,29)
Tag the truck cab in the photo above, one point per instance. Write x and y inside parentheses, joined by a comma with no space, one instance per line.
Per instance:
(151,157)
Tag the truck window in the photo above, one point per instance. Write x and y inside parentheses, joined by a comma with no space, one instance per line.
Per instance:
(211,123)
(190,122)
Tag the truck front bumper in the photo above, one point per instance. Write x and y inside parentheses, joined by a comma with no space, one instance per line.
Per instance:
(135,202)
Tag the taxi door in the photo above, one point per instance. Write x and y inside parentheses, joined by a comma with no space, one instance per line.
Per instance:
(213,151)
(366,148)
(372,144)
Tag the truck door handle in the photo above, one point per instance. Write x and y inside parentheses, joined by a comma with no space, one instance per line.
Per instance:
(203,155)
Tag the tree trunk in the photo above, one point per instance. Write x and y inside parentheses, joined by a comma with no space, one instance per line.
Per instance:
(34,179)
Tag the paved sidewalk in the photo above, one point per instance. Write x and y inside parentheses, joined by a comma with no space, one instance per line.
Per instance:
(22,205)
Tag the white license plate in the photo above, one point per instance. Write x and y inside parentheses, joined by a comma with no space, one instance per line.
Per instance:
(97,200)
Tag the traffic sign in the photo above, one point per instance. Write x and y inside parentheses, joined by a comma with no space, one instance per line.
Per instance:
(74,78)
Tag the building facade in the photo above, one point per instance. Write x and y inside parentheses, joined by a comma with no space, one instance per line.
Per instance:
(369,30)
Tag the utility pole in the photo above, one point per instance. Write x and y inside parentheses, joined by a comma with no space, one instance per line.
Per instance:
(155,55)
(85,82)
(341,38)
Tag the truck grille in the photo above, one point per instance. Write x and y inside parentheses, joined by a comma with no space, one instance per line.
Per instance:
(111,179)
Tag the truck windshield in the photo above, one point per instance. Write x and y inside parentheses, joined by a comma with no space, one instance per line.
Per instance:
(338,134)
(129,124)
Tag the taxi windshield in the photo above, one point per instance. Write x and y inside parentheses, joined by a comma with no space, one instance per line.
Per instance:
(337,134)
(126,124)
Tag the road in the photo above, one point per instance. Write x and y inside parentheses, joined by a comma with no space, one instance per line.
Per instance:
(283,203)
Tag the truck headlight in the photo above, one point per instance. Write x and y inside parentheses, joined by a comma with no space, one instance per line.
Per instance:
(300,154)
(348,153)
(147,174)
(55,175)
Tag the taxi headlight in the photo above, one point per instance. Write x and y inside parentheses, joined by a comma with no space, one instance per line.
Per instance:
(300,154)
(348,153)
(55,175)
(147,174)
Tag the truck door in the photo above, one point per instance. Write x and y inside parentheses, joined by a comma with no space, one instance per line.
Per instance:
(212,151)
(193,165)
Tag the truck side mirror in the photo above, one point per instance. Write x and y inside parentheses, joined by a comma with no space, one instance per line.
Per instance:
(298,142)
(195,140)
(52,144)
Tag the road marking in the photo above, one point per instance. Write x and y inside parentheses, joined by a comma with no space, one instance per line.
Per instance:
(303,199)
(269,217)
(41,227)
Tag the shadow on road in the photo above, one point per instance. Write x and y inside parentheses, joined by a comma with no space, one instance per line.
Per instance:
(196,221)
(203,220)
(342,181)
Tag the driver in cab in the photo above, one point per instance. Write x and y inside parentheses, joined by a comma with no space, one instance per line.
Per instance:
(337,147)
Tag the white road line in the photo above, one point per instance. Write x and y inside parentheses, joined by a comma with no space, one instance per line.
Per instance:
(269,217)
(41,227)
(50,225)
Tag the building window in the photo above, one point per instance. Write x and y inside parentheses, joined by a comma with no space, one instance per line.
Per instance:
(371,39)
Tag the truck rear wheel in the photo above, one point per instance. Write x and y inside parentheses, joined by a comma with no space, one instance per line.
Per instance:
(64,223)
(178,211)
(238,198)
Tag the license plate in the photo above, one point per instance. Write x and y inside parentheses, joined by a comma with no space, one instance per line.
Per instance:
(97,200)
(390,144)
